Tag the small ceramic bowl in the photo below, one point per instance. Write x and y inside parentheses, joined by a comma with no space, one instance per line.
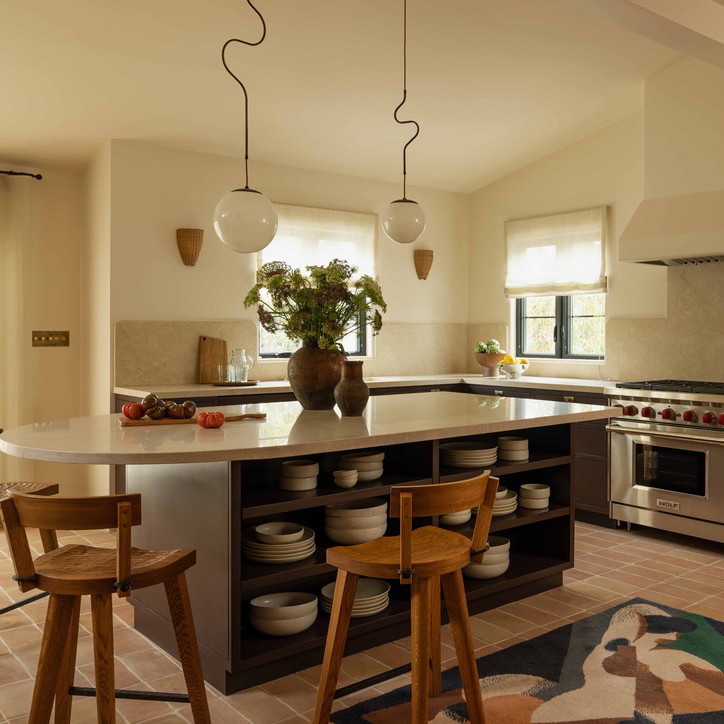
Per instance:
(355,523)
(279,532)
(458,518)
(283,627)
(299,468)
(362,466)
(298,483)
(495,559)
(349,537)
(345,482)
(280,606)
(534,503)
(498,544)
(357,508)
(534,490)
(509,442)
(473,570)
(513,455)
(502,492)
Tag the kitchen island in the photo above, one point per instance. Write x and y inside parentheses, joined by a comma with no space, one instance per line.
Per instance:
(202,488)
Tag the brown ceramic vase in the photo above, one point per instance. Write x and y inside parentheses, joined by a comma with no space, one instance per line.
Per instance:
(351,393)
(313,374)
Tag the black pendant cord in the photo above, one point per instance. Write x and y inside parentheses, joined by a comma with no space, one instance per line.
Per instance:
(404,99)
(37,176)
(243,87)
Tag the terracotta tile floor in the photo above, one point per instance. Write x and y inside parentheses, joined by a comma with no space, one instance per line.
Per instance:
(612,566)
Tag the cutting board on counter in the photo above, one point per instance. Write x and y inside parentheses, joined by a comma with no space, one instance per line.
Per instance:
(212,353)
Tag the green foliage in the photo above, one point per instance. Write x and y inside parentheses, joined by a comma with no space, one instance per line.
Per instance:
(492,346)
(318,309)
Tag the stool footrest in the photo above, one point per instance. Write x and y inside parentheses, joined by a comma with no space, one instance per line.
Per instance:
(26,601)
(133,694)
(372,680)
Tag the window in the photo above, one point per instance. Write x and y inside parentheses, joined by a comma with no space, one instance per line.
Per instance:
(570,327)
(313,237)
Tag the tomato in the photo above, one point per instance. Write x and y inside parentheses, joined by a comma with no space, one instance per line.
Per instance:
(133,410)
(211,419)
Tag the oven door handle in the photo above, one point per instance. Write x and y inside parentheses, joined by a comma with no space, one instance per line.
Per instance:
(664,435)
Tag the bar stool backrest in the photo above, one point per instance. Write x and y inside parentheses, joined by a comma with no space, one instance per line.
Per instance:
(416,501)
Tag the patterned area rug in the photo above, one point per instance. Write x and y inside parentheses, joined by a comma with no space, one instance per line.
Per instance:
(638,663)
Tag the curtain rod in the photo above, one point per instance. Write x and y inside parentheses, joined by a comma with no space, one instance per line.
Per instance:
(37,176)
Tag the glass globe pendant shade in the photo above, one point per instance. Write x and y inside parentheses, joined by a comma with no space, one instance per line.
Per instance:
(403,221)
(245,220)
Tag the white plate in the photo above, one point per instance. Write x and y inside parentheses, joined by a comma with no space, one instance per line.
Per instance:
(366,588)
(500,513)
(249,538)
(259,553)
(284,559)
(356,613)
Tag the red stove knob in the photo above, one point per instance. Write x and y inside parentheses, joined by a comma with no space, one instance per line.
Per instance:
(690,416)
(668,414)
(630,410)
(709,418)
(648,412)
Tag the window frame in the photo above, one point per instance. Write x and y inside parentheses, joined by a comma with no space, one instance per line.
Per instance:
(561,332)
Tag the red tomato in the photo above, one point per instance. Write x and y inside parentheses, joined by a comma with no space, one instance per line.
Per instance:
(133,410)
(211,419)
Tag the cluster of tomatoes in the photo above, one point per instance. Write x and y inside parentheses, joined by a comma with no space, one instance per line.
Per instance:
(153,407)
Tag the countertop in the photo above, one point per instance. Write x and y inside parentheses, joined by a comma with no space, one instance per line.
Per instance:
(275,386)
(289,431)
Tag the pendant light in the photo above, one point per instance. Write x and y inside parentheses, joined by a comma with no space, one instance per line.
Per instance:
(245,220)
(404,220)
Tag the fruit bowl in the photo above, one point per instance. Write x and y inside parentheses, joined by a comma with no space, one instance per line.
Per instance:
(513,372)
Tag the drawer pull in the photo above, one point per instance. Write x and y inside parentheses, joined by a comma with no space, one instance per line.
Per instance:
(569,398)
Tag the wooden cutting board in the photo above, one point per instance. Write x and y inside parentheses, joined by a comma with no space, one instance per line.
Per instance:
(212,353)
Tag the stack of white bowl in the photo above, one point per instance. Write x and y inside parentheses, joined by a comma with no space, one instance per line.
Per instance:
(534,496)
(468,454)
(355,522)
(299,475)
(283,614)
(458,518)
(345,478)
(495,561)
(278,543)
(372,596)
(513,449)
(506,501)
(367,464)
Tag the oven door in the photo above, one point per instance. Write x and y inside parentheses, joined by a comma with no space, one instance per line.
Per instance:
(669,474)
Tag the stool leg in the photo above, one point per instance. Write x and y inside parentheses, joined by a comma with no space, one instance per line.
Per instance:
(102,612)
(66,673)
(55,635)
(452,584)
(179,604)
(420,648)
(344,591)
(435,665)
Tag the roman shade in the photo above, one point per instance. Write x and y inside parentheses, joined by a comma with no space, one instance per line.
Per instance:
(309,236)
(557,255)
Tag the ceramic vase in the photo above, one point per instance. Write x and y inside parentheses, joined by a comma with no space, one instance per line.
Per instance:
(351,393)
(313,374)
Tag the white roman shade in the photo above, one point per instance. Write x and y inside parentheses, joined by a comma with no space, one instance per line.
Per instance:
(557,255)
(308,236)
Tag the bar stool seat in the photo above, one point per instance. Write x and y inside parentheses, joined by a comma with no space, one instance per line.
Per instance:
(81,570)
(435,552)
(29,488)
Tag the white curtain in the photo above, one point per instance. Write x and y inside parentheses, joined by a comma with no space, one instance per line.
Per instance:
(557,255)
(309,236)
(16,399)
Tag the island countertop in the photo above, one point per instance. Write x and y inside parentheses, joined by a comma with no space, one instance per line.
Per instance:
(288,430)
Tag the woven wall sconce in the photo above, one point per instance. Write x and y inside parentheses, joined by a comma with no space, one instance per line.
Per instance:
(189,242)
(423,262)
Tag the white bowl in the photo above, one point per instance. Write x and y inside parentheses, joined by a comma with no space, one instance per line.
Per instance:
(502,492)
(279,532)
(357,508)
(367,588)
(373,456)
(299,468)
(365,476)
(513,372)
(509,442)
(355,523)
(345,473)
(534,503)
(495,559)
(287,605)
(249,539)
(345,482)
(514,455)
(534,490)
(353,537)
(475,570)
(283,627)
(298,483)
(498,544)
(462,516)
(360,466)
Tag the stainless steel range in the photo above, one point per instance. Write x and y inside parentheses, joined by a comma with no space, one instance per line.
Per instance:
(667,456)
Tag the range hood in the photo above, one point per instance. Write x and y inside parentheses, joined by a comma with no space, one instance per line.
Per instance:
(675,230)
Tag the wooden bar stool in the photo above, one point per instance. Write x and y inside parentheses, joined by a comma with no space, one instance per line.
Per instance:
(48,537)
(72,571)
(424,558)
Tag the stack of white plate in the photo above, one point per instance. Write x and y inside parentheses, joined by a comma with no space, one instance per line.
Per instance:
(299,475)
(506,501)
(513,449)
(373,596)
(458,518)
(283,614)
(534,496)
(367,464)
(355,522)
(467,454)
(495,561)
(285,552)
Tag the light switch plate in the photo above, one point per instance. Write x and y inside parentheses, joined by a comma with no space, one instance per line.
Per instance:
(51,338)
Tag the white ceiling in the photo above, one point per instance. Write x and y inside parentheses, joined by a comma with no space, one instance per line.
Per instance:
(494,84)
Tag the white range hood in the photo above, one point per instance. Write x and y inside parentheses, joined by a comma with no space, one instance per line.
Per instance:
(674,230)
